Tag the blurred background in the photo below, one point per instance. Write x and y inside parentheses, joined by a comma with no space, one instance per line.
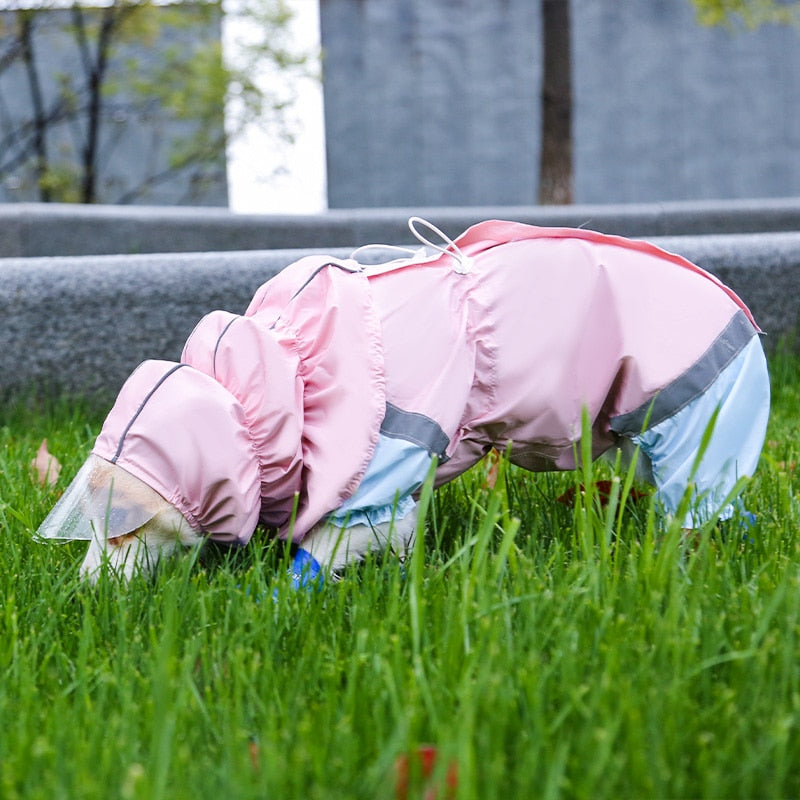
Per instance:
(295,106)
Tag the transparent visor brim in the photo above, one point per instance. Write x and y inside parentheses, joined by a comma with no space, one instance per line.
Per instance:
(103,501)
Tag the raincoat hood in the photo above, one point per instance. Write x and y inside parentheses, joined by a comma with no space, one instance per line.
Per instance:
(272,416)
(185,435)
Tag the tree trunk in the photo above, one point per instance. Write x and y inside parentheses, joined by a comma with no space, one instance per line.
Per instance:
(555,165)
(95,71)
(42,164)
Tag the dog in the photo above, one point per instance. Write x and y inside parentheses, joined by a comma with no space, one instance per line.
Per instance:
(320,411)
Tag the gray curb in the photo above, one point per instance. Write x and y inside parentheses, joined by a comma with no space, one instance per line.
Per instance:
(35,230)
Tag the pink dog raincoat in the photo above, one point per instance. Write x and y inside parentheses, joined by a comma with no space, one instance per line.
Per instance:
(500,341)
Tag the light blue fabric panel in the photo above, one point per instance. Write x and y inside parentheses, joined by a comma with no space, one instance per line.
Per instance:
(397,469)
(741,392)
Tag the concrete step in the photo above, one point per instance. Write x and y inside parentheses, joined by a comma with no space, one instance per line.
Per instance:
(43,229)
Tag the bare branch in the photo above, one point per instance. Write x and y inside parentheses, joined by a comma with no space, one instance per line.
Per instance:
(11,54)
(37,100)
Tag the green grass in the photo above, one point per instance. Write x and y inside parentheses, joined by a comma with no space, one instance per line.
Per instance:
(548,650)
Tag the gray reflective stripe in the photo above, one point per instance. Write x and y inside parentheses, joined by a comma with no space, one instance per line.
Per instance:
(416,428)
(693,382)
(310,278)
(216,346)
(141,406)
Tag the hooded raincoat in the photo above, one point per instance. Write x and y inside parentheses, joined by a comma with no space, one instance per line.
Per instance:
(501,341)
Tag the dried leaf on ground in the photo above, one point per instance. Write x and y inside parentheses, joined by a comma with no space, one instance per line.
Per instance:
(46,465)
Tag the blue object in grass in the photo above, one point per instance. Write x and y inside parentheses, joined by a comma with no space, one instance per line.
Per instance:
(748,520)
(305,571)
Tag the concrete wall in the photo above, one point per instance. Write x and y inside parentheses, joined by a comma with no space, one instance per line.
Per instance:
(437,102)
(431,102)
(64,230)
(81,324)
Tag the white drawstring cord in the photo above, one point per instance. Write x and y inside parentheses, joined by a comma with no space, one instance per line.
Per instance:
(464,261)
(408,252)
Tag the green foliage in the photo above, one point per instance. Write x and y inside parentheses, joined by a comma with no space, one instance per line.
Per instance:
(750,13)
(61,182)
(550,649)
(118,82)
